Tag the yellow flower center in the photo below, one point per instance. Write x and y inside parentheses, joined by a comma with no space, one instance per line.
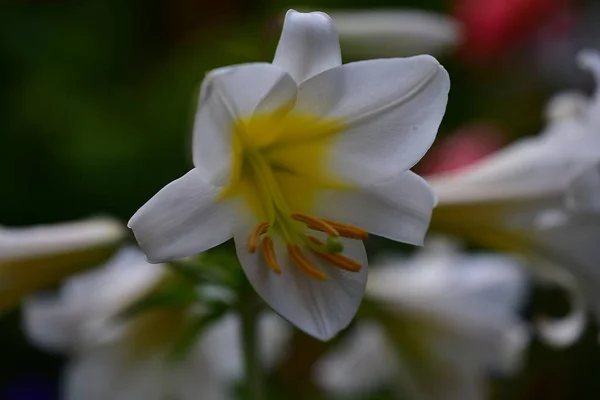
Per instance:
(279,165)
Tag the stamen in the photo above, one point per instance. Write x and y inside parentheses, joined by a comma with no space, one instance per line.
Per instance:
(345,230)
(319,224)
(268,251)
(298,257)
(254,235)
(338,260)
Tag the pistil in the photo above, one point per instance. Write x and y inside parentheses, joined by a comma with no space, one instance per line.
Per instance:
(338,260)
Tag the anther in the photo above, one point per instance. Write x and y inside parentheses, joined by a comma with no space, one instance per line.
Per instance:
(345,230)
(255,234)
(318,223)
(302,262)
(268,251)
(338,260)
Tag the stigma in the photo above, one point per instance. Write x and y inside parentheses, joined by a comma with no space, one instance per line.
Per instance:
(328,251)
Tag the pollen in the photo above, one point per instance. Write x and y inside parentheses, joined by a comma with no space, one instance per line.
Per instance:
(268,251)
(319,224)
(344,230)
(258,230)
(296,239)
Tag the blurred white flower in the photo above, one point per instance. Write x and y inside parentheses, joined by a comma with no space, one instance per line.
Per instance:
(297,161)
(539,197)
(395,33)
(32,258)
(117,359)
(450,319)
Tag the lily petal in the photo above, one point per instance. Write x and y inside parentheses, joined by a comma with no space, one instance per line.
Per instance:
(33,258)
(395,33)
(105,372)
(81,314)
(561,332)
(363,362)
(392,108)
(568,254)
(222,344)
(308,45)
(38,242)
(320,308)
(399,209)
(589,60)
(48,324)
(182,219)
(445,326)
(226,95)
(584,193)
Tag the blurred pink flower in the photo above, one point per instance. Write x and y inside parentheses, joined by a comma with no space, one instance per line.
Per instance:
(464,147)
(492,27)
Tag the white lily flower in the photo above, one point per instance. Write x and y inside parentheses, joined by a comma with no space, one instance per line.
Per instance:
(120,359)
(539,197)
(453,319)
(298,160)
(32,258)
(395,33)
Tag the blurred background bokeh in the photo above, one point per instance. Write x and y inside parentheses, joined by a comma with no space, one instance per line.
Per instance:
(97,100)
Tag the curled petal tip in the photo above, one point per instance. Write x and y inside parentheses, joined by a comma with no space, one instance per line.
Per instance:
(561,332)
(566,105)
(589,60)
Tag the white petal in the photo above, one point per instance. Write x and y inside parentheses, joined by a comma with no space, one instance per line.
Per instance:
(535,167)
(472,299)
(184,218)
(451,282)
(107,372)
(590,60)
(308,45)
(226,95)
(564,106)
(584,192)
(399,209)
(48,324)
(82,314)
(34,258)
(461,318)
(363,362)
(568,254)
(530,168)
(222,344)
(561,332)
(395,33)
(36,242)
(393,108)
(319,308)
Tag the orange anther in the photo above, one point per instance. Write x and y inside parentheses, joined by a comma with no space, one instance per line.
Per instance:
(298,257)
(345,230)
(255,234)
(318,223)
(268,251)
(338,260)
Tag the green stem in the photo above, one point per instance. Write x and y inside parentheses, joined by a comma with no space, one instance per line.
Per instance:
(249,313)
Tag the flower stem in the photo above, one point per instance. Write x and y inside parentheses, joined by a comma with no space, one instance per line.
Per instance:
(249,314)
